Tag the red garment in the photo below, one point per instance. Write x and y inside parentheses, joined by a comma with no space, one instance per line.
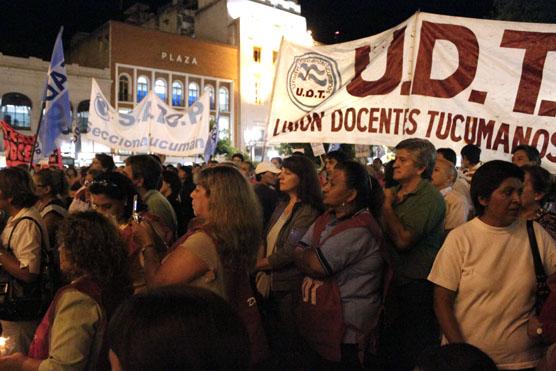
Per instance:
(39,348)
(548,312)
(321,320)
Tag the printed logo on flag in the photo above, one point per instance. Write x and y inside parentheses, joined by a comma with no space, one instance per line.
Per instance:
(312,78)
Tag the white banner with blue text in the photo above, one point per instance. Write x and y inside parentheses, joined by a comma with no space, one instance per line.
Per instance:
(152,126)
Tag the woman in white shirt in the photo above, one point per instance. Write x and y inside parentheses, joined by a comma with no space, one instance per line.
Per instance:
(484,272)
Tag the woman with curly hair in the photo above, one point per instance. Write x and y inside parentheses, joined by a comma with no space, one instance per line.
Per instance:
(220,250)
(70,336)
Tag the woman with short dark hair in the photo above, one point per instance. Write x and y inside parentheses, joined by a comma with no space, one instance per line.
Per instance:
(193,329)
(484,273)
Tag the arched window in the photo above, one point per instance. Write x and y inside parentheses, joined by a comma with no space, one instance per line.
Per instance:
(210,90)
(16,110)
(223,99)
(160,89)
(177,94)
(193,93)
(123,88)
(142,87)
(83,116)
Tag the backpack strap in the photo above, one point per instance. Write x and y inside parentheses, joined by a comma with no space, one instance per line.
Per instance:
(55,208)
(542,289)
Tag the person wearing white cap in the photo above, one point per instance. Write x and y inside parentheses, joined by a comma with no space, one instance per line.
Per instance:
(266,173)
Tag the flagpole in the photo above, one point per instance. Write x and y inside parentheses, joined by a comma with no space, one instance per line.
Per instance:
(37,134)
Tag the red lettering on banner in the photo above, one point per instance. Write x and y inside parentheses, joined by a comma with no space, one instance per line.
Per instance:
(398,112)
(385,118)
(536,45)
(309,122)
(373,118)
(536,138)
(392,75)
(519,138)
(455,122)
(467,45)
(432,117)
(412,121)
(338,113)
(549,156)
(349,120)
(359,114)
(502,138)
(485,131)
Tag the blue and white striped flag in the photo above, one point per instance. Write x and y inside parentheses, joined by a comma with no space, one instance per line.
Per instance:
(56,120)
(212,140)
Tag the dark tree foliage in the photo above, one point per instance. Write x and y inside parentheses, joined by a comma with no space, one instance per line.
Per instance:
(539,11)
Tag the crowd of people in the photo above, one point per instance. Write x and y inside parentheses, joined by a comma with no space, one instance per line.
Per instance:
(410,265)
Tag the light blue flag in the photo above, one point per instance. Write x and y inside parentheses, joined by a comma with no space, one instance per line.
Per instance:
(334,147)
(56,120)
(210,148)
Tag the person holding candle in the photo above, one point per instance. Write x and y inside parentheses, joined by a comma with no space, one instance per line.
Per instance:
(71,334)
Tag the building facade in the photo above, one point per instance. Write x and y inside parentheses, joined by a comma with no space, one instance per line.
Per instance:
(178,68)
(22,83)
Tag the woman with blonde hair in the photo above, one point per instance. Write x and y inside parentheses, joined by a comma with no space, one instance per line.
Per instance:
(220,250)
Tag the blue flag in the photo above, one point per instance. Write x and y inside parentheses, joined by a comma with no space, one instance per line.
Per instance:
(334,147)
(56,120)
(210,148)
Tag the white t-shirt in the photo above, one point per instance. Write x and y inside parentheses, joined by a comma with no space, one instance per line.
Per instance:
(457,208)
(492,271)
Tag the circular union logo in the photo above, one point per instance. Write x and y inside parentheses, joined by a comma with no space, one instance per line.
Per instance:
(102,108)
(312,78)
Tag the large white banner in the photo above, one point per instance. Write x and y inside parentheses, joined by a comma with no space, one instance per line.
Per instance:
(447,79)
(152,126)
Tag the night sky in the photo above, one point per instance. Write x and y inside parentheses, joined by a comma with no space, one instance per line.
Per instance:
(29,27)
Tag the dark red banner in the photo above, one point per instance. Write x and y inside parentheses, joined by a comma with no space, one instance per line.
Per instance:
(18,148)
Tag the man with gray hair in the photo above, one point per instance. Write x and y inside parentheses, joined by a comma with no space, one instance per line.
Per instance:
(457,208)
(413,217)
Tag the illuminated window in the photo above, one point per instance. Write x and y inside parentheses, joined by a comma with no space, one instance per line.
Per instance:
(83,116)
(223,99)
(177,93)
(193,93)
(142,87)
(160,89)
(210,90)
(256,54)
(123,88)
(258,99)
(223,127)
(274,56)
(16,110)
